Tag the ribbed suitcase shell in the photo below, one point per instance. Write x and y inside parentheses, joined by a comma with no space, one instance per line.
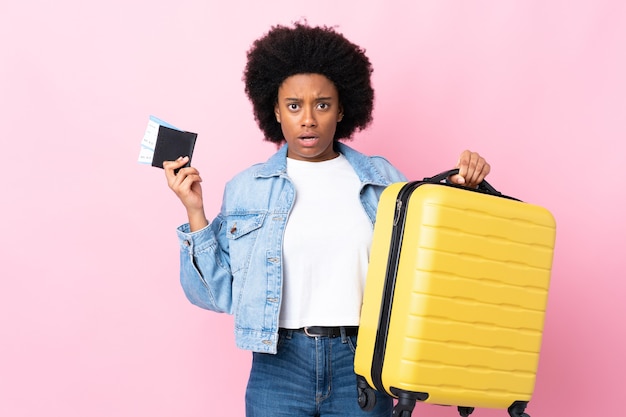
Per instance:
(469,297)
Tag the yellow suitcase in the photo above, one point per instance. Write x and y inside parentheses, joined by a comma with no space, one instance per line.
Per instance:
(455,298)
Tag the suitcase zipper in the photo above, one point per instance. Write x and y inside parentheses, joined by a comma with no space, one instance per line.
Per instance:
(390,282)
(397,213)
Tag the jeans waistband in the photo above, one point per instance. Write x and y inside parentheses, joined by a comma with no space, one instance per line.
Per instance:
(323,331)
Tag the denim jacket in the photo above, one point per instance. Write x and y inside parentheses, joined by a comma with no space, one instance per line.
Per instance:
(235,264)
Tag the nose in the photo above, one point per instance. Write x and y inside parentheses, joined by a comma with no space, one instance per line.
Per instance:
(308,117)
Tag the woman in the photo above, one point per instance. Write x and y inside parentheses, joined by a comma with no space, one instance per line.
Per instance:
(288,252)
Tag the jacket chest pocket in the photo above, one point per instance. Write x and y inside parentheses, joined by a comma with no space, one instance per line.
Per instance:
(242,231)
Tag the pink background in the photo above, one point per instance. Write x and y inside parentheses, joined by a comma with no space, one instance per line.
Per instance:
(92,319)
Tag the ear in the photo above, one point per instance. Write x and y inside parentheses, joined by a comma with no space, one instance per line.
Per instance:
(340,114)
(277,112)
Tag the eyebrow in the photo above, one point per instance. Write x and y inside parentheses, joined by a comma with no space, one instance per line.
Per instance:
(317,99)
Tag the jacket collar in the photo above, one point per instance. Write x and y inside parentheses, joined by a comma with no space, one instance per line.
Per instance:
(276,165)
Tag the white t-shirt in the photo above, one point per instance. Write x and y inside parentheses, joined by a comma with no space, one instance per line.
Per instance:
(326,246)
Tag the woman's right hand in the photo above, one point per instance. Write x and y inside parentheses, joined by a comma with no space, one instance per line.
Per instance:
(186,185)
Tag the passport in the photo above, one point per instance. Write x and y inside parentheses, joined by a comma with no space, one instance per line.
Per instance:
(165,142)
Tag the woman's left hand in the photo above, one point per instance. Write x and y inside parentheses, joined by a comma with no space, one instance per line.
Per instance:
(473,168)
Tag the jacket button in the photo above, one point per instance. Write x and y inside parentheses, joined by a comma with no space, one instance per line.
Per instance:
(267,342)
(187,243)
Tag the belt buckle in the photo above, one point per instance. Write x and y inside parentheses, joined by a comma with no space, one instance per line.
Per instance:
(306,332)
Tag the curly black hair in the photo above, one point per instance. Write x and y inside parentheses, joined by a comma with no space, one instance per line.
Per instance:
(285,51)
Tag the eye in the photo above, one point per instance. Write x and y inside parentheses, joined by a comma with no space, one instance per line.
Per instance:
(323,106)
(293,106)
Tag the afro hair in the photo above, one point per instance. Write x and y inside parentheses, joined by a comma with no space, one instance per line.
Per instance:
(286,51)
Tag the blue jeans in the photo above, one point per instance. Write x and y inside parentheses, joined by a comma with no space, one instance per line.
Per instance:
(309,376)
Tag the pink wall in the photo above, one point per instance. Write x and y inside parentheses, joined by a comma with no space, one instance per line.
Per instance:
(92,319)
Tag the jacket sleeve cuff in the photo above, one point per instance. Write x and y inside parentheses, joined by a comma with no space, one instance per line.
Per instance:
(195,241)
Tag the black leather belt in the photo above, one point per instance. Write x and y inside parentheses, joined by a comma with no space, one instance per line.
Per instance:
(319,331)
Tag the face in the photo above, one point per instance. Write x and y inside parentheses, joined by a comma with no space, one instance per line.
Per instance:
(308,111)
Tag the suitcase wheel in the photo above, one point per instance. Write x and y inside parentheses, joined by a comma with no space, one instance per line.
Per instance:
(465,411)
(366,395)
(406,403)
(517,409)
(367,399)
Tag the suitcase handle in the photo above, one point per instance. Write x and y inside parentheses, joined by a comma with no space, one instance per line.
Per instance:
(483,186)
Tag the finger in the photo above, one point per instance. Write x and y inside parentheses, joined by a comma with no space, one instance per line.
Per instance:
(187,187)
(473,169)
(173,169)
(475,166)
(484,172)
(456,179)
(190,191)
(171,166)
(479,173)
(463,166)
(189,179)
(183,182)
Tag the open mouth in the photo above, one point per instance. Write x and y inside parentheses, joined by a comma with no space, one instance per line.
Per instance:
(308,139)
